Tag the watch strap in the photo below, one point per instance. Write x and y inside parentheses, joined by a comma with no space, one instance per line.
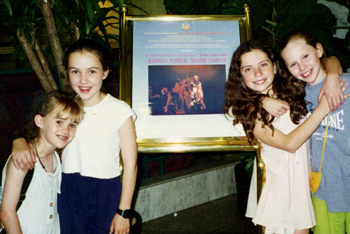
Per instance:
(124,213)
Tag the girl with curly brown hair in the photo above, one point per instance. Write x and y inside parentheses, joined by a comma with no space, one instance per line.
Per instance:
(284,205)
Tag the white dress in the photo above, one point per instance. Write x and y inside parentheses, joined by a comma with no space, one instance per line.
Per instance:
(285,201)
(38,212)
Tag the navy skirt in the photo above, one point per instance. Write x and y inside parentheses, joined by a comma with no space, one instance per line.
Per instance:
(87,205)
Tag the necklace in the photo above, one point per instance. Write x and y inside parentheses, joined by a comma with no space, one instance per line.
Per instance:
(36,152)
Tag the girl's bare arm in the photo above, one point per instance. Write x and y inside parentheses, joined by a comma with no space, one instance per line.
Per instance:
(12,190)
(274,106)
(22,155)
(292,141)
(129,155)
(332,87)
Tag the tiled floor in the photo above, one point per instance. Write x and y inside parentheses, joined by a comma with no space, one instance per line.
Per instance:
(219,216)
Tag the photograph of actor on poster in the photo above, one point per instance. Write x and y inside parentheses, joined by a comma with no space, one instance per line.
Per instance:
(187,89)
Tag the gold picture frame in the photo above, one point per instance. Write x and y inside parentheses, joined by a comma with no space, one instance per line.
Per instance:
(177,143)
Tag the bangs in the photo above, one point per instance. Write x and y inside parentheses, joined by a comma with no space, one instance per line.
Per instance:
(73,112)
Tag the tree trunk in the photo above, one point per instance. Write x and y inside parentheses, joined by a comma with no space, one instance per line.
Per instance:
(44,64)
(36,65)
(55,42)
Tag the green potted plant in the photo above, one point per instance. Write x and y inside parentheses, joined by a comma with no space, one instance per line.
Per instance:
(41,29)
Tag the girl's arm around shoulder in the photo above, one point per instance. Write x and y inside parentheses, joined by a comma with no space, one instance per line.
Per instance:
(22,155)
(332,86)
(292,141)
(129,156)
(274,106)
(11,194)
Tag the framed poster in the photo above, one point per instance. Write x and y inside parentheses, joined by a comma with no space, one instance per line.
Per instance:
(173,73)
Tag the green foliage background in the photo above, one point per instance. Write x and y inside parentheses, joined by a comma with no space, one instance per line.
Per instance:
(86,15)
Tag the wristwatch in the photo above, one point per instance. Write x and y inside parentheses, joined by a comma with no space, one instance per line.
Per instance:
(124,213)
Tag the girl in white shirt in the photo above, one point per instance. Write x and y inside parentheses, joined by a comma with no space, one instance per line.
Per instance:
(53,125)
(93,198)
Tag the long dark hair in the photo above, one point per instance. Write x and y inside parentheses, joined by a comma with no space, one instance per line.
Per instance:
(244,104)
